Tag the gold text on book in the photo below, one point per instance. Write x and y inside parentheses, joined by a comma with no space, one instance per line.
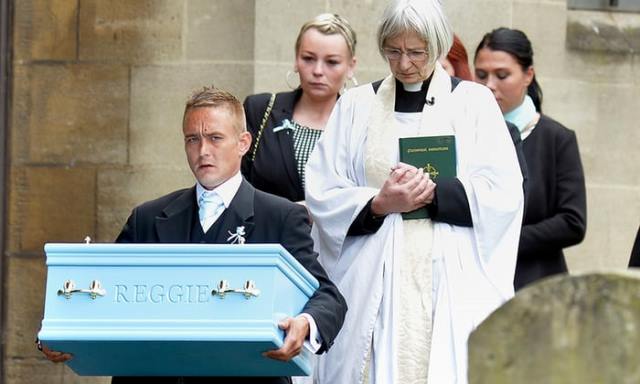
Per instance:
(432,149)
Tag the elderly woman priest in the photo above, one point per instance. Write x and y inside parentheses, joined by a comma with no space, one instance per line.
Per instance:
(415,288)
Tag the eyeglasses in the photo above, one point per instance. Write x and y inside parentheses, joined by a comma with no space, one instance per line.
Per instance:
(413,55)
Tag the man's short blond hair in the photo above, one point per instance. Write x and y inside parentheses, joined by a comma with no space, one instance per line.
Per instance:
(213,97)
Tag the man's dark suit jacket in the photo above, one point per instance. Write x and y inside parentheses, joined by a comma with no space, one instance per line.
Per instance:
(267,219)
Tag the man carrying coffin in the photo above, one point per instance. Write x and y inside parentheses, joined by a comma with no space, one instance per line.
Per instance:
(215,139)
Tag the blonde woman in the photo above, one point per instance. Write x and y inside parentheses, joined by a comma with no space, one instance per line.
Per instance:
(286,129)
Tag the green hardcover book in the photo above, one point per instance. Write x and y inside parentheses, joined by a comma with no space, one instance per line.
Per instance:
(435,154)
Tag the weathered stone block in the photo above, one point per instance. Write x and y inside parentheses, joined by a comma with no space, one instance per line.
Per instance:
(635,69)
(50,204)
(45,29)
(120,190)
(25,282)
(70,377)
(608,153)
(472,19)
(589,65)
(40,370)
(32,370)
(271,77)
(611,32)
(549,48)
(611,165)
(568,329)
(131,31)
(77,113)
(562,98)
(20,112)
(277,25)
(615,159)
(363,17)
(220,30)
(610,228)
(158,96)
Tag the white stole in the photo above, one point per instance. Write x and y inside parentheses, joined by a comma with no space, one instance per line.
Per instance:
(473,266)
(408,325)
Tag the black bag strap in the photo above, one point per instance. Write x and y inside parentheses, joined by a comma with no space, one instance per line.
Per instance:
(267,112)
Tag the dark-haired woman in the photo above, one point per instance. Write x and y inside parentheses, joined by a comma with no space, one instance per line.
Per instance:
(555,205)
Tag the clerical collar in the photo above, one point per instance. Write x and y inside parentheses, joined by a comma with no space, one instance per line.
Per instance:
(410,98)
(226,190)
(412,87)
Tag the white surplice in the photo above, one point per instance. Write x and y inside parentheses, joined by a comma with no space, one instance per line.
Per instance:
(473,267)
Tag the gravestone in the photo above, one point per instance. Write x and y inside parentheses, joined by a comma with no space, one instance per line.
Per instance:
(565,329)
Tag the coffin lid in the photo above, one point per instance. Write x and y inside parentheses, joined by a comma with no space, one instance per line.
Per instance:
(108,254)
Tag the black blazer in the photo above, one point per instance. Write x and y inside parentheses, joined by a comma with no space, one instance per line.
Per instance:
(634,260)
(267,219)
(555,206)
(274,169)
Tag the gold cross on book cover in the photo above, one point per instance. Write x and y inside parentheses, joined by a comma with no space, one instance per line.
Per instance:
(436,155)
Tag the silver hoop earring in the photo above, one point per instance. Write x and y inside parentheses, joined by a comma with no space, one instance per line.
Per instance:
(287,80)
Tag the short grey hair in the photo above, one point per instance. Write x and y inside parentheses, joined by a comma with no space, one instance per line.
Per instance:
(425,17)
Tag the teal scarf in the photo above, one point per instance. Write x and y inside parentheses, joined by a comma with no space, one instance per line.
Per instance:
(523,114)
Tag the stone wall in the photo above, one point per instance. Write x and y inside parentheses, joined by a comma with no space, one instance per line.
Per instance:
(98,93)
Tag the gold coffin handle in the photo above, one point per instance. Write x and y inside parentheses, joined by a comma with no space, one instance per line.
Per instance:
(69,288)
(248,291)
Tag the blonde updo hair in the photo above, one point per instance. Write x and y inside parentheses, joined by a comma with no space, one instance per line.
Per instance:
(330,24)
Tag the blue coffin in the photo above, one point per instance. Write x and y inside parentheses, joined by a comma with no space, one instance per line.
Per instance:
(173,309)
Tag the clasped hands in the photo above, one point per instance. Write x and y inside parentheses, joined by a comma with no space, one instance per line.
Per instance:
(406,189)
(296,328)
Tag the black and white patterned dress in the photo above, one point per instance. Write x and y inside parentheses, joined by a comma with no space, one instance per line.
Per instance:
(304,140)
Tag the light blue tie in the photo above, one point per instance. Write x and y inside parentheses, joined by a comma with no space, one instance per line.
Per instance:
(211,207)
